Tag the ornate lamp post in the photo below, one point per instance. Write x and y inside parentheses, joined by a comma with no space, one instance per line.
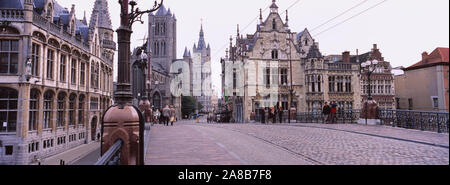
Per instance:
(123,122)
(369,68)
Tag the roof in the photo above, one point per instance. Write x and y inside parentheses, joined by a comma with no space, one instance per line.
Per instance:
(314,52)
(437,57)
(13,4)
(162,10)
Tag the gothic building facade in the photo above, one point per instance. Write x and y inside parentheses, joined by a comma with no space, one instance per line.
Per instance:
(278,67)
(56,77)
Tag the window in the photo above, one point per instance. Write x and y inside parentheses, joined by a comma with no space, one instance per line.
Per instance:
(348,84)
(92,75)
(267,76)
(234,79)
(62,72)
(35,59)
(284,76)
(284,102)
(340,87)
(48,109)
(82,73)
(9,56)
(8,150)
(331,83)
(94,103)
(34,110)
(8,109)
(274,54)
(436,102)
(319,84)
(81,110)
(72,102)
(410,103)
(274,24)
(61,121)
(50,61)
(73,72)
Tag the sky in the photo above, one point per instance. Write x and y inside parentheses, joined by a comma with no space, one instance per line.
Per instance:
(402,29)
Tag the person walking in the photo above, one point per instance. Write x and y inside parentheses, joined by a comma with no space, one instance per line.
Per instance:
(157,116)
(326,111)
(173,116)
(274,114)
(263,115)
(166,115)
(280,113)
(333,112)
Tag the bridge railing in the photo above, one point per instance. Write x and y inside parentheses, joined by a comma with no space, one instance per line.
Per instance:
(420,120)
(342,116)
(112,156)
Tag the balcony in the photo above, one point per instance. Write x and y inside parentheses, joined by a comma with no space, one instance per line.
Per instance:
(108,44)
(11,15)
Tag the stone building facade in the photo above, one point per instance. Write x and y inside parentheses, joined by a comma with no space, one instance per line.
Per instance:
(163,44)
(432,70)
(261,69)
(199,61)
(56,78)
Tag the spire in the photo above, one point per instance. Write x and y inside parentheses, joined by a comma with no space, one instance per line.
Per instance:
(260,16)
(162,10)
(100,13)
(287,17)
(186,53)
(273,7)
(84,18)
(238,31)
(201,41)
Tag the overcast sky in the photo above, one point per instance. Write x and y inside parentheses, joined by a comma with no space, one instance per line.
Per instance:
(403,29)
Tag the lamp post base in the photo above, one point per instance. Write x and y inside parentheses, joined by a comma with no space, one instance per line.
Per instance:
(369,122)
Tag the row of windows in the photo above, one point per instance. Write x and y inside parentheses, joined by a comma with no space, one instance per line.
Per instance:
(160,49)
(9,56)
(340,84)
(377,89)
(74,66)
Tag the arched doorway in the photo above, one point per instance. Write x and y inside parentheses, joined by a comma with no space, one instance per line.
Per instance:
(93,128)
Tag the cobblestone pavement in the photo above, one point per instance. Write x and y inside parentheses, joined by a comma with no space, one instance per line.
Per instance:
(183,145)
(351,144)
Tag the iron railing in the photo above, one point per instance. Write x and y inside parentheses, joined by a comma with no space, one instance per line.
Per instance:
(343,116)
(112,156)
(420,120)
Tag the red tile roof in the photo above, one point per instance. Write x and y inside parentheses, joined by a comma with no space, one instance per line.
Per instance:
(438,56)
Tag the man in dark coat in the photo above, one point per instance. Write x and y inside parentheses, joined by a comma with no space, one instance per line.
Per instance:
(326,111)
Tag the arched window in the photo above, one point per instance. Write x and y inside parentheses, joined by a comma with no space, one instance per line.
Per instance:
(9,56)
(81,108)
(61,119)
(72,101)
(8,109)
(48,109)
(62,68)
(34,110)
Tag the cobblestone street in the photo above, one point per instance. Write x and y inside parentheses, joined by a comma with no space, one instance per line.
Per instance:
(298,144)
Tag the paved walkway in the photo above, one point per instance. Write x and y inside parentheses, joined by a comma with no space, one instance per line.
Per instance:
(424,137)
(72,155)
(184,145)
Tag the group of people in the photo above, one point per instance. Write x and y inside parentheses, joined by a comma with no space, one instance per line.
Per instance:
(272,114)
(329,112)
(167,115)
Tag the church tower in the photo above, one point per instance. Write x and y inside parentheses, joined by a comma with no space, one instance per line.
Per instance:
(163,37)
(101,18)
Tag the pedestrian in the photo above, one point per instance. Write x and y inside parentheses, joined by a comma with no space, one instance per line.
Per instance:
(333,112)
(274,114)
(172,115)
(263,115)
(157,116)
(280,113)
(166,115)
(326,111)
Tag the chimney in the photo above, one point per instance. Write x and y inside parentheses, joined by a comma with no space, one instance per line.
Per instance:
(346,57)
(424,56)
(375,46)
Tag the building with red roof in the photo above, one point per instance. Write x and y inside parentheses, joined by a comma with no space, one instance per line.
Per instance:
(425,85)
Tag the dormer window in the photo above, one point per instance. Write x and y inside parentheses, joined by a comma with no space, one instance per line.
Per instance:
(306,42)
(49,12)
(274,54)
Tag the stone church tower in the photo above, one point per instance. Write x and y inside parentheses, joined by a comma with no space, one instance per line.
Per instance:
(201,77)
(163,45)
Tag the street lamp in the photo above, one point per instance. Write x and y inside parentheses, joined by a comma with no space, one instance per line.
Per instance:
(369,68)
